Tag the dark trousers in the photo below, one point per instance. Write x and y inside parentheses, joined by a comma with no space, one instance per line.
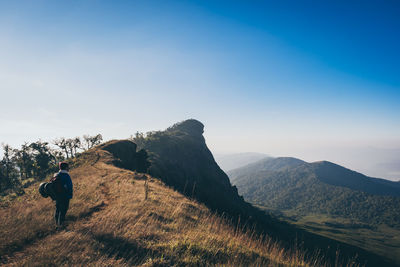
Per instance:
(62,205)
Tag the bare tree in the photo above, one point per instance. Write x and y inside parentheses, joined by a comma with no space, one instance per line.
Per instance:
(91,141)
(62,144)
(76,144)
(97,139)
(70,146)
(57,156)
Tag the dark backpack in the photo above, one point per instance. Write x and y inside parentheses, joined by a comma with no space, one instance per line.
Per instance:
(57,187)
(49,189)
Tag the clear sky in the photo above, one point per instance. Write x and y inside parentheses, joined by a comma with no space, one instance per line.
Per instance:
(312,79)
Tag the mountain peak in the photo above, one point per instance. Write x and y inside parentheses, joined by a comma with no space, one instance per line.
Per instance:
(190,126)
(326,163)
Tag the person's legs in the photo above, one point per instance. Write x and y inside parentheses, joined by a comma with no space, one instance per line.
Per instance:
(57,213)
(62,206)
(64,209)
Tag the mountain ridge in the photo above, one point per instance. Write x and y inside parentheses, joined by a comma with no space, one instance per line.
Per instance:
(326,194)
(326,171)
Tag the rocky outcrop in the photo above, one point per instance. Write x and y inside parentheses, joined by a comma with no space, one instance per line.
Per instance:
(180,157)
(126,156)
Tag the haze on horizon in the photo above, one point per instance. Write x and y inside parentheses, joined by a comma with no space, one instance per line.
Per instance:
(318,81)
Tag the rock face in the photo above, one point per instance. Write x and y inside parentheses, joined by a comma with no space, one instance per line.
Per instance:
(179,156)
(124,152)
(192,127)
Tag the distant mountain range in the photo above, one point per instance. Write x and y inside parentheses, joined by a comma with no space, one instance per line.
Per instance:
(373,162)
(290,184)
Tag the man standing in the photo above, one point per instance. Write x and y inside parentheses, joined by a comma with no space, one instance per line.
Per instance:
(63,189)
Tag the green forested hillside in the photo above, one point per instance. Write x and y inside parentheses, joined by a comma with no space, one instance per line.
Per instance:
(300,189)
(344,198)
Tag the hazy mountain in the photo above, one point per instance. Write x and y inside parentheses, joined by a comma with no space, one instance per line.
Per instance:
(371,161)
(328,198)
(274,164)
(229,162)
(322,187)
(334,174)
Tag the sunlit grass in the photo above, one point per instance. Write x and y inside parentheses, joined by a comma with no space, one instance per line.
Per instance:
(111,222)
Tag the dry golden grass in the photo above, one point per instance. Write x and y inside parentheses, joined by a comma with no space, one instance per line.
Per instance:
(111,223)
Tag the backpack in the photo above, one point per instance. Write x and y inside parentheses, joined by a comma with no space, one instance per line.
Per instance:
(57,186)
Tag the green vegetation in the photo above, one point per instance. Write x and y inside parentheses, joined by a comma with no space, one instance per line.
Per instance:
(283,185)
(301,192)
(381,239)
(38,159)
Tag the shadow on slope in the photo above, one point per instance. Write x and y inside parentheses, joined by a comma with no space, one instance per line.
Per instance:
(334,174)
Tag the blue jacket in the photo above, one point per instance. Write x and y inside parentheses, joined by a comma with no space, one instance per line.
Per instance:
(66,182)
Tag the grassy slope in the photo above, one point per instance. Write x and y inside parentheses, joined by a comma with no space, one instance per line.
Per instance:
(110,223)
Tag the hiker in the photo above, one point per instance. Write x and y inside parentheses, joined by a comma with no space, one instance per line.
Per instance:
(63,192)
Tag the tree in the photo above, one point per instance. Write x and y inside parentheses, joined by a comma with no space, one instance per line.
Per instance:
(2,177)
(42,158)
(10,173)
(143,163)
(91,141)
(23,158)
(73,144)
(57,156)
(70,147)
(139,139)
(62,144)
(76,144)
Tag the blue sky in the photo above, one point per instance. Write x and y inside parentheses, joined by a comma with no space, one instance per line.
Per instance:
(302,78)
